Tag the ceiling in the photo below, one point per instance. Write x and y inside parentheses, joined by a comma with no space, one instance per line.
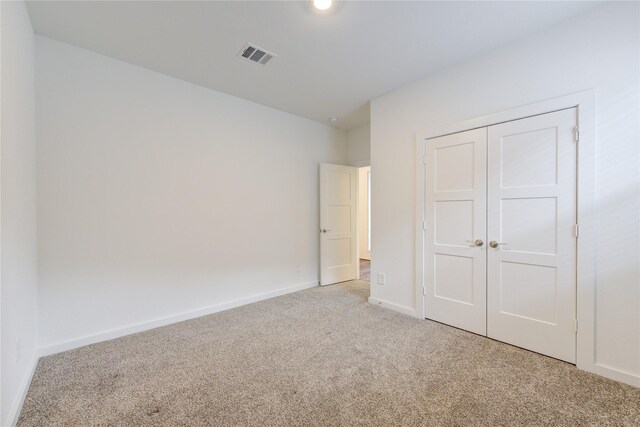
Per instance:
(328,64)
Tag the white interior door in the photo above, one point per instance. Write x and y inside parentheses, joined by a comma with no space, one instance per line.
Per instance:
(456,220)
(532,220)
(338,199)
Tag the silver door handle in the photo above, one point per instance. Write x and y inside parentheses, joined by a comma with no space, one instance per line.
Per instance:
(477,242)
(495,244)
(323,230)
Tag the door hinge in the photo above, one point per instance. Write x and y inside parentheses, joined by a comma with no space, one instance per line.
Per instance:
(577,230)
(577,135)
(424,159)
(575,326)
(424,290)
(424,224)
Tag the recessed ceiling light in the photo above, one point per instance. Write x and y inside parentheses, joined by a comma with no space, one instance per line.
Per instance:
(333,119)
(322,4)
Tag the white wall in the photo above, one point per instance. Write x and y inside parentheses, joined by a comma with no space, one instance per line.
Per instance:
(598,50)
(18,291)
(358,146)
(158,197)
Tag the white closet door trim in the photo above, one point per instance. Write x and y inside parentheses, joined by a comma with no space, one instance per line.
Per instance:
(586,357)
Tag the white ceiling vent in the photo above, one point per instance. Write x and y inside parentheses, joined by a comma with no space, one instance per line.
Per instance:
(256,54)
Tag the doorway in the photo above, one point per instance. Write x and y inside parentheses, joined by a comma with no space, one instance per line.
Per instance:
(364,222)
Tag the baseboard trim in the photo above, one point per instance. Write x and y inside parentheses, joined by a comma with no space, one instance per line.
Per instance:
(16,408)
(391,306)
(167,320)
(613,374)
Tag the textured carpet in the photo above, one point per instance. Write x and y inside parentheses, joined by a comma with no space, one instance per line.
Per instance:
(323,356)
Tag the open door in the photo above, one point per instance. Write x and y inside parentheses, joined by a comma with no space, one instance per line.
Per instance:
(338,260)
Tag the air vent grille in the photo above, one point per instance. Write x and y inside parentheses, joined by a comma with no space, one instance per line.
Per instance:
(256,54)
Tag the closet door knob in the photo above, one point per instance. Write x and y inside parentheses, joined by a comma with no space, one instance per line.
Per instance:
(477,242)
(495,244)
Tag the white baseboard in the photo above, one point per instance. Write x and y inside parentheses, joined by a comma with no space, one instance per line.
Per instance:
(613,373)
(167,320)
(395,307)
(16,408)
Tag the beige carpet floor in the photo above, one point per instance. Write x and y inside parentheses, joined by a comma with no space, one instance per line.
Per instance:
(320,357)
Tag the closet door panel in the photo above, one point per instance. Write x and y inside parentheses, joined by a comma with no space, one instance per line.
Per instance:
(531,258)
(456,229)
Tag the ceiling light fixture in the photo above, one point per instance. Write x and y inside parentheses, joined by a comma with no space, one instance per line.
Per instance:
(333,119)
(322,4)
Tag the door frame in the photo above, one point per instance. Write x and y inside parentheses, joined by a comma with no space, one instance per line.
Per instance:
(358,165)
(359,249)
(585,102)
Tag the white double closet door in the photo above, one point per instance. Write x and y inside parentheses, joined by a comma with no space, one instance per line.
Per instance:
(501,232)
